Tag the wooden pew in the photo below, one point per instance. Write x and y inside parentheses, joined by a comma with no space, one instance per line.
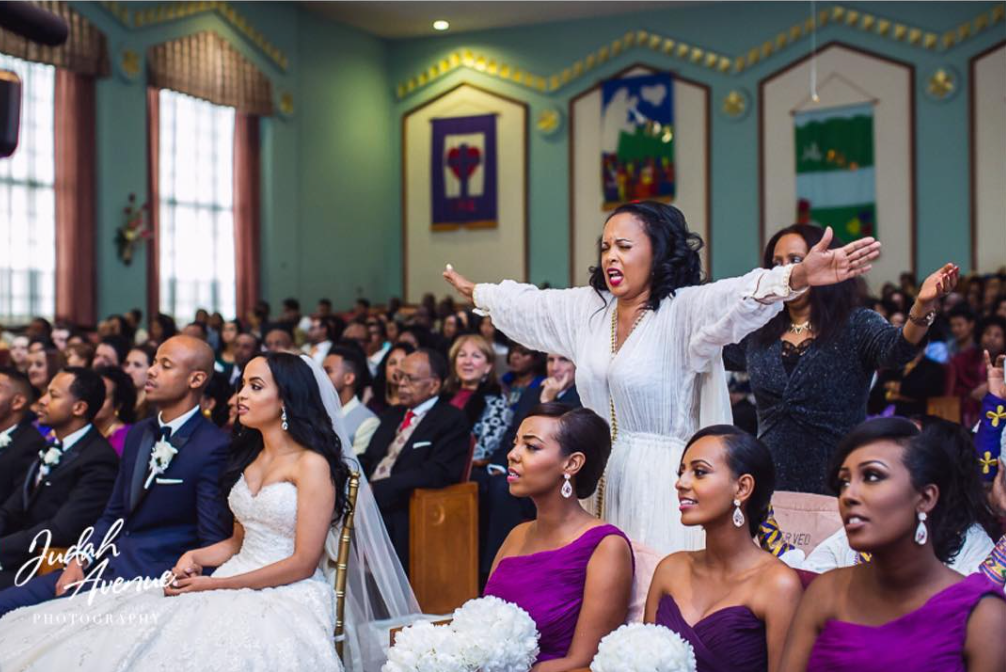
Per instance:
(444,544)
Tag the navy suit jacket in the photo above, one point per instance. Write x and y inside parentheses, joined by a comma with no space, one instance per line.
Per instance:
(168,519)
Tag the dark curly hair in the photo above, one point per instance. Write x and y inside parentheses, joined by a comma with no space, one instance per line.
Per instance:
(929,462)
(830,305)
(308,424)
(676,261)
(124,394)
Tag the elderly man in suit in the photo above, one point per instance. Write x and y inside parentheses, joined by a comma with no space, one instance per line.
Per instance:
(422,443)
(68,484)
(161,507)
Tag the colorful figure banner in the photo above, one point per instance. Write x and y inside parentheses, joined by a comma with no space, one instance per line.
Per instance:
(836,184)
(637,139)
(464,172)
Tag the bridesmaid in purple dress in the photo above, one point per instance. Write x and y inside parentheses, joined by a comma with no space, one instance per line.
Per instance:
(904,610)
(732,601)
(571,572)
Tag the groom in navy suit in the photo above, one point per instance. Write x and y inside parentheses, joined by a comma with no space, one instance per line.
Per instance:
(168,502)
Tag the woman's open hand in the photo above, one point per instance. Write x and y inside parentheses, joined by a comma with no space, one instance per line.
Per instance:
(465,287)
(828,267)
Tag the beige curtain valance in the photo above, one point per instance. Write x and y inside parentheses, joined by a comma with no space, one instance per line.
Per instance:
(206,66)
(84,52)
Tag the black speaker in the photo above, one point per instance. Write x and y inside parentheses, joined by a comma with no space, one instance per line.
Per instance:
(10,112)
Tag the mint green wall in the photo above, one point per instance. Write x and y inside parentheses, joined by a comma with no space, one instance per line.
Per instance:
(331,183)
(942,185)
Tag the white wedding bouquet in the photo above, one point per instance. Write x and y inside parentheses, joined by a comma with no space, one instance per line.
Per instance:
(639,647)
(485,635)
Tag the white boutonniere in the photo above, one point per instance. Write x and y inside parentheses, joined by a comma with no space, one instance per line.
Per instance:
(5,440)
(50,458)
(160,458)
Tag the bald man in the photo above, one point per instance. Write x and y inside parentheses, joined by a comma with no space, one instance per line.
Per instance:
(166,510)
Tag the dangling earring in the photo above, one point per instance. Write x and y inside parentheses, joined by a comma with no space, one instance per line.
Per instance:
(567,488)
(207,413)
(921,532)
(282,417)
(738,514)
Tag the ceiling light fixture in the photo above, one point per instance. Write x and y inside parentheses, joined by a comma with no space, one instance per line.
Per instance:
(440,24)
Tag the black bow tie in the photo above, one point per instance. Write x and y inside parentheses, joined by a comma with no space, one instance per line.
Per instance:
(164,433)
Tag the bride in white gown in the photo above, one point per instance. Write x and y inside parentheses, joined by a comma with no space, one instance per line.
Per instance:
(269,605)
(646,338)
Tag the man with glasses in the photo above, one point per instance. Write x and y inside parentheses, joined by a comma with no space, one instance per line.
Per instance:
(421,443)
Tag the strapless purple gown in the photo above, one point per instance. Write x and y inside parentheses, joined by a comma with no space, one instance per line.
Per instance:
(929,639)
(549,586)
(731,639)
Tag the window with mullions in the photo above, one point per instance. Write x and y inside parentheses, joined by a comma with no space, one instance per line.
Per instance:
(196,188)
(28,201)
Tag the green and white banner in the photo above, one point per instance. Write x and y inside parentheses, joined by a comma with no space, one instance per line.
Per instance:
(836,183)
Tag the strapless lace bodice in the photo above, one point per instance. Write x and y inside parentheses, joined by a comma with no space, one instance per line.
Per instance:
(269,519)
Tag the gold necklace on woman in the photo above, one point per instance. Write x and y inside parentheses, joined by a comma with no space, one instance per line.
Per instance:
(801,327)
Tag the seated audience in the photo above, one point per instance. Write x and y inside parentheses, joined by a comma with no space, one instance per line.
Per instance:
(320,337)
(279,338)
(66,487)
(378,344)
(570,571)
(197,330)
(42,367)
(527,369)
(962,329)
(246,346)
(138,362)
(229,331)
(111,351)
(214,402)
(966,373)
(421,443)
(118,414)
(348,371)
(20,443)
(904,609)
(906,390)
(19,353)
(79,354)
(385,387)
(162,327)
(472,387)
(732,601)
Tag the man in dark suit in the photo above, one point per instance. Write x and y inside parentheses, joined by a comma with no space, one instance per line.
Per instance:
(422,443)
(499,511)
(164,511)
(19,440)
(68,484)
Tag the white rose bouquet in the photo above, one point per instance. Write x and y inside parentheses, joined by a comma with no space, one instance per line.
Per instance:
(486,635)
(643,648)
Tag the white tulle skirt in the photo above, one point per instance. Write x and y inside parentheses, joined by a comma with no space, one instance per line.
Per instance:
(639,495)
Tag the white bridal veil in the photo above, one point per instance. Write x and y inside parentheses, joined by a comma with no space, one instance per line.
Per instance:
(377,588)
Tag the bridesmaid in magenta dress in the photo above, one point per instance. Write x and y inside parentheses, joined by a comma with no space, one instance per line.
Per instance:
(118,414)
(732,601)
(904,610)
(571,572)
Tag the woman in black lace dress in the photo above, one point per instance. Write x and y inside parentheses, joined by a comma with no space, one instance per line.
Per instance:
(811,366)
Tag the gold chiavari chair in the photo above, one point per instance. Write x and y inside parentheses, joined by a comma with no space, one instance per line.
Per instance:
(342,564)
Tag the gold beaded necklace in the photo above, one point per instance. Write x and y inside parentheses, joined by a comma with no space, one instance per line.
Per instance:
(611,399)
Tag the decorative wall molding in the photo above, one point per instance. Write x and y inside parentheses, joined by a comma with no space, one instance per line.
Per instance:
(714,61)
(153,15)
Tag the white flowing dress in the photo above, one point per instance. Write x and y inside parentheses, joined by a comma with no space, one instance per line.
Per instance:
(284,628)
(667,381)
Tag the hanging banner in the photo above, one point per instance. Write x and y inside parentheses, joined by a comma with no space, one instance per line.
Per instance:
(464,173)
(637,139)
(836,183)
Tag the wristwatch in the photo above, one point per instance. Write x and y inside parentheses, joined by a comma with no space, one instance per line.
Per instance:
(924,321)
